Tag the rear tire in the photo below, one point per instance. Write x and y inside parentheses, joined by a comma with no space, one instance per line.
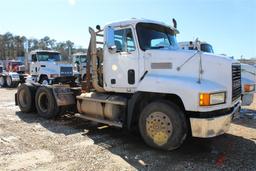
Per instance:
(10,83)
(45,103)
(2,81)
(26,98)
(163,125)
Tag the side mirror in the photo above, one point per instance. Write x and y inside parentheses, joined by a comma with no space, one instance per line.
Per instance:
(110,40)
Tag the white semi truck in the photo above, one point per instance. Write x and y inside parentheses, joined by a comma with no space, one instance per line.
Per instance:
(79,61)
(147,83)
(45,67)
(248,72)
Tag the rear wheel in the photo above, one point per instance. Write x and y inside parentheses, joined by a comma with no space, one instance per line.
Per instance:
(45,103)
(2,81)
(162,125)
(10,83)
(26,98)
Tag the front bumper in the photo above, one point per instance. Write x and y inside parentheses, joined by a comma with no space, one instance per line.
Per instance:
(211,127)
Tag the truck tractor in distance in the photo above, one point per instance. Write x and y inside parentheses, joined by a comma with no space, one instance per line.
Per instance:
(79,61)
(45,67)
(248,77)
(204,46)
(248,72)
(12,73)
(148,83)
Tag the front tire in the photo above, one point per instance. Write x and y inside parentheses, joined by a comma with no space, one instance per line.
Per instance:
(163,125)
(45,103)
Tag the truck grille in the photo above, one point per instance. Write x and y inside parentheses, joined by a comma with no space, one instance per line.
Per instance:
(66,71)
(236,81)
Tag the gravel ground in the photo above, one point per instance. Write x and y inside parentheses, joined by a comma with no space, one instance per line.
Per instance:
(28,142)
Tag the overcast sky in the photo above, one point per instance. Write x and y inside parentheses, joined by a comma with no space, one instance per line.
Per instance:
(229,25)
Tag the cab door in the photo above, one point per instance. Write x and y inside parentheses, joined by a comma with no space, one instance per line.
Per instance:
(121,68)
(34,65)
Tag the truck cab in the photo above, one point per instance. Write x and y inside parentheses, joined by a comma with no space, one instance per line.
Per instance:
(46,67)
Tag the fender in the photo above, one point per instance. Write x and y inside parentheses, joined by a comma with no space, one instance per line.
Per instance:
(187,88)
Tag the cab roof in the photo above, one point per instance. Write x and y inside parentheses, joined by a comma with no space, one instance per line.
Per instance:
(134,21)
(39,50)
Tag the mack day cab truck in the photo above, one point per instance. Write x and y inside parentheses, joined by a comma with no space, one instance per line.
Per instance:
(148,83)
(248,72)
(46,67)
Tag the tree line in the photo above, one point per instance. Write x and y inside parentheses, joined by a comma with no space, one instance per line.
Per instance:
(12,46)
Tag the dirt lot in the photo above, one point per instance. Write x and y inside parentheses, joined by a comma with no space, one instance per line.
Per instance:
(28,142)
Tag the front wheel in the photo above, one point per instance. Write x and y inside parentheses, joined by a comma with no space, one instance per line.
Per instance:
(163,125)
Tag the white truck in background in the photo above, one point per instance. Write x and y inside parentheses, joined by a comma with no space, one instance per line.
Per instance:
(79,61)
(146,83)
(248,72)
(46,67)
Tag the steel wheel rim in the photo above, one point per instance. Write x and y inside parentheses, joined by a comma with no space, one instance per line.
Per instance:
(22,98)
(9,81)
(159,127)
(43,102)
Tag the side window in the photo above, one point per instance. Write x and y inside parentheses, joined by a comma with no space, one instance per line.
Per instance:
(124,40)
(34,58)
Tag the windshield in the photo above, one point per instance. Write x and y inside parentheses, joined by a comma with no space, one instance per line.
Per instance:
(48,56)
(155,36)
(80,59)
(206,48)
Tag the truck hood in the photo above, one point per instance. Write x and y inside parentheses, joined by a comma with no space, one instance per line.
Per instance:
(187,64)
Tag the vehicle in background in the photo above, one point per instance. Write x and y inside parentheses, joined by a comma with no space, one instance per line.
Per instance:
(12,73)
(248,77)
(46,67)
(79,61)
(248,72)
(148,83)
(190,45)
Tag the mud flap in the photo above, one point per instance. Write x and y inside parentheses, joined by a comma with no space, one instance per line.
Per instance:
(63,96)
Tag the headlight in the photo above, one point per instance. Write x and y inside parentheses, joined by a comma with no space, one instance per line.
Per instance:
(208,99)
(249,87)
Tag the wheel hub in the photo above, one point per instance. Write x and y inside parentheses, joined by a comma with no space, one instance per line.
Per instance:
(159,127)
